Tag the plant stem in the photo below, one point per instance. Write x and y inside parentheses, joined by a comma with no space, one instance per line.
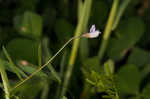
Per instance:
(46,62)
(120,13)
(80,27)
(39,55)
(5,81)
(108,29)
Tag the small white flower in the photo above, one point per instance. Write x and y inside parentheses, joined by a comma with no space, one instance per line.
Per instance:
(93,33)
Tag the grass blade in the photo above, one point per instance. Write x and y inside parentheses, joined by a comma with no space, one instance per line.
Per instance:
(120,13)
(5,80)
(47,56)
(108,29)
(12,65)
(80,27)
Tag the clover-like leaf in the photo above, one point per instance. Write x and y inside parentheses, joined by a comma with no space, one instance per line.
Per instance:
(128,79)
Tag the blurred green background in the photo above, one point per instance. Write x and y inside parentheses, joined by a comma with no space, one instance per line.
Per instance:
(32,31)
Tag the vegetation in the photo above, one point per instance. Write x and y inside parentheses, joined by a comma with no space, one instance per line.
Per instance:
(44,54)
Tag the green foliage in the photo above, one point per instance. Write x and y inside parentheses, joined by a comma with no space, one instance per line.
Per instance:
(128,82)
(146,92)
(32,31)
(27,91)
(102,83)
(99,12)
(91,64)
(109,68)
(29,24)
(4,77)
(128,79)
(29,68)
(127,34)
(99,81)
(12,65)
(63,29)
(135,57)
(23,49)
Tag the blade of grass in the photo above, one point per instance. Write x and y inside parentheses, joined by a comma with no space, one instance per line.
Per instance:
(80,27)
(8,67)
(39,55)
(45,91)
(120,13)
(62,64)
(80,6)
(50,67)
(5,81)
(12,65)
(108,29)
(46,58)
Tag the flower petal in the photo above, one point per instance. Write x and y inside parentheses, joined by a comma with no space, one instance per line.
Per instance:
(92,29)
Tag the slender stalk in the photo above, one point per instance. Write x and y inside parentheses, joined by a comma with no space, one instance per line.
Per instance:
(46,62)
(80,27)
(108,29)
(39,55)
(5,81)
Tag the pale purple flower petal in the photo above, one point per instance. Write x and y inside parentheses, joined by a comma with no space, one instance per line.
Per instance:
(92,29)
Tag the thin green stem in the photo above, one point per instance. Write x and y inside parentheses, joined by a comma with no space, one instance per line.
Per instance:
(39,55)
(46,62)
(5,81)
(108,29)
(80,27)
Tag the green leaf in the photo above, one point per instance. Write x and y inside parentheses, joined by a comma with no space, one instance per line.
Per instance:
(128,79)
(27,90)
(91,64)
(63,29)
(146,92)
(109,67)
(135,57)
(30,24)
(145,71)
(128,34)
(23,49)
